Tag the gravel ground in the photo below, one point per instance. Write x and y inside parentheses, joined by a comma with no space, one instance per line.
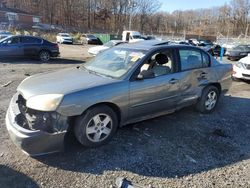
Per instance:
(184,149)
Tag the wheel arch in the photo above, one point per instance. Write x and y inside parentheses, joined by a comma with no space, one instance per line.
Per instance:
(44,49)
(113,106)
(217,85)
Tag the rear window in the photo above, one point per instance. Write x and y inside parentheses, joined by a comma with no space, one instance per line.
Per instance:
(190,59)
(31,40)
(91,36)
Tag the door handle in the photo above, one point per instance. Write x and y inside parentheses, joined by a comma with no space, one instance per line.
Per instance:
(202,75)
(173,81)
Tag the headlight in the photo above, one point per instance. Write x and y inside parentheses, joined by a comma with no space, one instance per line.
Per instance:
(239,65)
(47,102)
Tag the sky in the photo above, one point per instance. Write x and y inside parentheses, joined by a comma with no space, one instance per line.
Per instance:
(172,5)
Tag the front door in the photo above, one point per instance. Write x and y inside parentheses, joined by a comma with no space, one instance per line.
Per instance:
(158,94)
(11,47)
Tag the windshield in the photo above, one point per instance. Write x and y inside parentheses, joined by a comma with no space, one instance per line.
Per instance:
(114,62)
(137,37)
(4,39)
(91,37)
(65,35)
(243,48)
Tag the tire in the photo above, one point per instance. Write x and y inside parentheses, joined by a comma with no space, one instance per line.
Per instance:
(235,79)
(44,55)
(91,130)
(206,103)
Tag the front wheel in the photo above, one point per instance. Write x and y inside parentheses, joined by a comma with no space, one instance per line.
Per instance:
(44,56)
(208,100)
(96,126)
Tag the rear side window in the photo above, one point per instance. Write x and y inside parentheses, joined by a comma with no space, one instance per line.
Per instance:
(31,40)
(190,59)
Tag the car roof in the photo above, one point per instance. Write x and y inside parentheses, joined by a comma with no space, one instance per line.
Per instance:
(27,36)
(154,45)
(145,45)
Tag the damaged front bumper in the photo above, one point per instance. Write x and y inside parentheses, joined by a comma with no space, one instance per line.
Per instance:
(31,138)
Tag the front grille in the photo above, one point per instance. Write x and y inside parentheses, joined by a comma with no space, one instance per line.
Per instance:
(247,66)
(246,75)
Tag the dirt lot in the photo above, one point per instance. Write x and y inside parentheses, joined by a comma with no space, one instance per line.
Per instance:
(184,149)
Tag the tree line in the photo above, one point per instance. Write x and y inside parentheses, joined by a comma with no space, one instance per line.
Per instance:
(114,16)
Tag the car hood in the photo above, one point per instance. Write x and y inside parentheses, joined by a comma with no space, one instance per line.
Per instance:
(97,49)
(61,82)
(245,60)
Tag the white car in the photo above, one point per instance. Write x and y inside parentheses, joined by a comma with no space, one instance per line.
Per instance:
(63,38)
(241,69)
(98,49)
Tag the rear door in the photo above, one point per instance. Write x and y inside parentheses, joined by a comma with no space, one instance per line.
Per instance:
(194,73)
(31,45)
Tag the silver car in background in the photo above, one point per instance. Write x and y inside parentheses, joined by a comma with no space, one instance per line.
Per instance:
(122,85)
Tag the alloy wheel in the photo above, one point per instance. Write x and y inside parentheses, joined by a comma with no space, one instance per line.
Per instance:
(99,127)
(211,100)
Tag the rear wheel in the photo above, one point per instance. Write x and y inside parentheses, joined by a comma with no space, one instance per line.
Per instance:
(208,100)
(96,126)
(44,55)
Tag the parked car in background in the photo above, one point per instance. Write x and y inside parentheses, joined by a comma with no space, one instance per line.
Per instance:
(205,43)
(241,69)
(238,52)
(126,84)
(217,50)
(228,47)
(28,46)
(214,50)
(98,49)
(4,34)
(148,37)
(193,42)
(132,36)
(90,39)
(182,42)
(64,38)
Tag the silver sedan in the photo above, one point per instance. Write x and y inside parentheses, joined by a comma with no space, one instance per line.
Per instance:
(120,86)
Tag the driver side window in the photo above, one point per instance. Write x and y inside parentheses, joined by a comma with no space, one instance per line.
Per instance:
(160,63)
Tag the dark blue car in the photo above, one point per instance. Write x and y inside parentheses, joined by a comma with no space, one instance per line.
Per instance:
(28,46)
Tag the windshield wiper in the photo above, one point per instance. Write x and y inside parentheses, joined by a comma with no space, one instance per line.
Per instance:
(96,73)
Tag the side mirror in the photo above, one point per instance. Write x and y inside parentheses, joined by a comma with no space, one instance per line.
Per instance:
(146,74)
